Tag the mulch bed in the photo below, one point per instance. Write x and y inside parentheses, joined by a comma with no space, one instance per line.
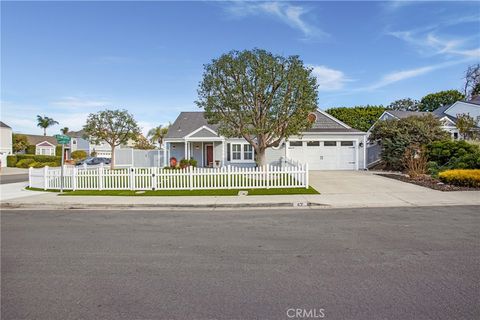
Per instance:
(428,182)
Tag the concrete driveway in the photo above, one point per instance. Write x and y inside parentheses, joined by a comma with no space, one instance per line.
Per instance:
(357,182)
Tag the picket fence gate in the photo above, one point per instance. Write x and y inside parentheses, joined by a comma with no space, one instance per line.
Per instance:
(154,178)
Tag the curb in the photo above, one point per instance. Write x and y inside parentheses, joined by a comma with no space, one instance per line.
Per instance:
(106,206)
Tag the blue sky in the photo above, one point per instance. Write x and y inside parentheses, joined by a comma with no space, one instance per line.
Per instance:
(68,59)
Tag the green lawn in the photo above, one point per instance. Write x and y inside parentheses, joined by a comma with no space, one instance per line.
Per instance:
(222,192)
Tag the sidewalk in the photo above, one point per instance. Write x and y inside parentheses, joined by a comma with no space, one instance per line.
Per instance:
(12,197)
(9,171)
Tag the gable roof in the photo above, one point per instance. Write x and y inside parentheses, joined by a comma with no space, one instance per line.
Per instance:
(4,125)
(187,122)
(35,139)
(45,144)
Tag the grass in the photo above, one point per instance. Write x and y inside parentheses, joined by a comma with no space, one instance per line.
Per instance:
(203,192)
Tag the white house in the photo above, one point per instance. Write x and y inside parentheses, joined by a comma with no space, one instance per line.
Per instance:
(5,143)
(329,145)
(44,145)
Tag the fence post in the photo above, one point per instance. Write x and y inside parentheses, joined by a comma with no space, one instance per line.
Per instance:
(30,177)
(267,170)
(229,177)
(100,177)
(154,178)
(74,179)
(190,177)
(306,175)
(45,177)
(132,177)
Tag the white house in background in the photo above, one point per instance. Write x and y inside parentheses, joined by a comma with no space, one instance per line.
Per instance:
(44,145)
(5,142)
(79,142)
(329,145)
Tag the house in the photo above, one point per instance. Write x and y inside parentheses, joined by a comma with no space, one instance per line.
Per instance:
(79,141)
(446,114)
(44,145)
(329,145)
(5,143)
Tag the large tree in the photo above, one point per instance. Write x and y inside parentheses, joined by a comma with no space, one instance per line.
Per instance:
(472,81)
(157,134)
(262,97)
(405,104)
(439,99)
(358,117)
(466,125)
(64,130)
(115,127)
(19,142)
(45,122)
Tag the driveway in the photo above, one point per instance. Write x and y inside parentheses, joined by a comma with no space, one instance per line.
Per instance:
(358,182)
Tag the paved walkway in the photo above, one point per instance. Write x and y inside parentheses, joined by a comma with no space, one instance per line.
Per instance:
(338,190)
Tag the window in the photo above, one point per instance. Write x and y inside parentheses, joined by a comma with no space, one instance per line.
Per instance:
(330,143)
(236,152)
(313,143)
(296,143)
(455,135)
(247,152)
(346,143)
(242,152)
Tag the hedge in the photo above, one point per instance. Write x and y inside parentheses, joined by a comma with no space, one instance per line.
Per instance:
(30,149)
(25,163)
(461,177)
(44,164)
(11,161)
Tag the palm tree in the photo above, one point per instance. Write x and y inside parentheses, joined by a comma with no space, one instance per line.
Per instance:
(64,130)
(45,122)
(157,134)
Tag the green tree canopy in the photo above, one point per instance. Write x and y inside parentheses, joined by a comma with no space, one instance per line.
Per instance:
(45,122)
(466,124)
(259,96)
(143,143)
(157,134)
(436,100)
(359,117)
(406,104)
(19,142)
(115,127)
(396,136)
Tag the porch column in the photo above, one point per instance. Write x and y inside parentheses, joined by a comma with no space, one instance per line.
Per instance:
(186,149)
(223,153)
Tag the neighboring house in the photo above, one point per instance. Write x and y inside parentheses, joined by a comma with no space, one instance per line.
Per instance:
(79,141)
(329,145)
(5,143)
(446,114)
(44,145)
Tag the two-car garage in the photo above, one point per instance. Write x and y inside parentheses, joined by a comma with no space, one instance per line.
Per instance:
(326,154)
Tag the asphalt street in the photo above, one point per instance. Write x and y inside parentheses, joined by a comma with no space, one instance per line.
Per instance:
(12,178)
(382,263)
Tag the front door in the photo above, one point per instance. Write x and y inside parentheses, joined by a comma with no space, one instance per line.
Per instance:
(209,159)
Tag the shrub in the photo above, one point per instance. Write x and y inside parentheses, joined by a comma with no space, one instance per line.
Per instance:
(193,162)
(79,155)
(58,150)
(463,178)
(24,163)
(30,149)
(449,154)
(37,164)
(12,161)
(52,164)
(415,161)
(184,163)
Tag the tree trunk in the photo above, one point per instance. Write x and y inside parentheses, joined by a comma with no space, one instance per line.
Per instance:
(44,131)
(112,159)
(261,158)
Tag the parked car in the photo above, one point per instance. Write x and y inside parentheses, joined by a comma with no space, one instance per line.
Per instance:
(94,161)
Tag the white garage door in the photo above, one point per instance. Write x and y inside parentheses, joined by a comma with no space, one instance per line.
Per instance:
(324,155)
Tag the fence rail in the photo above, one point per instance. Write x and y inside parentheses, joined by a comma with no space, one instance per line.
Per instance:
(156,178)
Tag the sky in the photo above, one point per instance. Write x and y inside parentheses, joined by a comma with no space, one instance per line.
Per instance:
(68,59)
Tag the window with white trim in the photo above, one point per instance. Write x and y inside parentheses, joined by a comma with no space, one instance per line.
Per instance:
(236,152)
(242,152)
(247,152)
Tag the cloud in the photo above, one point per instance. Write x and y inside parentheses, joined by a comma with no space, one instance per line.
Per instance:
(291,14)
(329,79)
(76,102)
(397,76)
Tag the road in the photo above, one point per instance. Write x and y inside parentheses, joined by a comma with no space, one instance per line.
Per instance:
(382,263)
(12,178)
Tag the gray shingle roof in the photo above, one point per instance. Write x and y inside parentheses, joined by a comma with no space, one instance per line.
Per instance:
(36,139)
(4,125)
(187,122)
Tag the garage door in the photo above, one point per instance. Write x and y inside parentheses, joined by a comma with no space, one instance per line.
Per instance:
(324,155)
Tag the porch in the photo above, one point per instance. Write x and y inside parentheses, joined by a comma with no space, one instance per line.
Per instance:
(211,153)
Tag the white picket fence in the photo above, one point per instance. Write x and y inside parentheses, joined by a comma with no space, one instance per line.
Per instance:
(155,178)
